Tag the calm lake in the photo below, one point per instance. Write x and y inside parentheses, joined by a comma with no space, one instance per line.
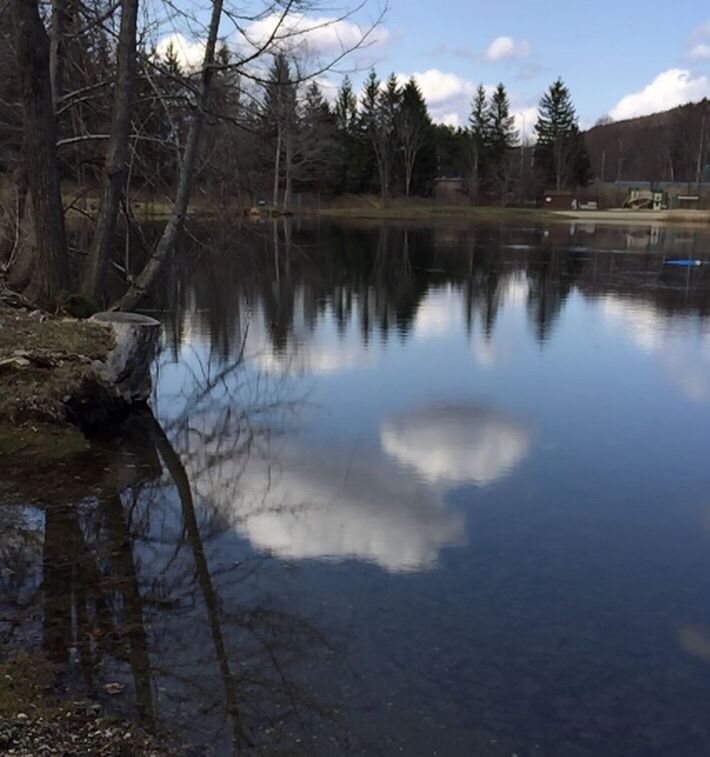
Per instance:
(418,489)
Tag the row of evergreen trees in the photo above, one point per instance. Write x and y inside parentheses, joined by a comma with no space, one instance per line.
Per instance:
(384,140)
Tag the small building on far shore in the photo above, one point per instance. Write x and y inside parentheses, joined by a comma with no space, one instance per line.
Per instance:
(557,199)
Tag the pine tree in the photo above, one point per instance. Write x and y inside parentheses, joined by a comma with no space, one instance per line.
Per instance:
(503,137)
(414,135)
(502,133)
(560,152)
(316,139)
(346,107)
(479,131)
(352,163)
(171,62)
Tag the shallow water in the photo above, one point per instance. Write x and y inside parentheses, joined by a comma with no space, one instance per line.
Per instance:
(406,489)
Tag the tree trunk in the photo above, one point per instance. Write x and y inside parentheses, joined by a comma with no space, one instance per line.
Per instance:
(385,178)
(240,739)
(124,568)
(51,273)
(277,168)
(289,173)
(145,279)
(113,180)
(408,170)
(56,48)
(476,171)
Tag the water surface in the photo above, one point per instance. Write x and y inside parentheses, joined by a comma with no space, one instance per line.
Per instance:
(405,489)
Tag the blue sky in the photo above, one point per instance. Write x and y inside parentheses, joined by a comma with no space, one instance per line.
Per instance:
(623,58)
(604,50)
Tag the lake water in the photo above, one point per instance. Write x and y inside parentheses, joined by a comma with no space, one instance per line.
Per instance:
(405,489)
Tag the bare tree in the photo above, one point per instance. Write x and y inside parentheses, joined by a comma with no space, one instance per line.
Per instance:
(379,114)
(91,63)
(140,285)
(113,181)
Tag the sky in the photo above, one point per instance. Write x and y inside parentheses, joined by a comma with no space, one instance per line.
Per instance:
(621,59)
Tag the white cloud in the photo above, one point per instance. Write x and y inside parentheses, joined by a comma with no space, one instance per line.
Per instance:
(701,51)
(441,87)
(670,88)
(700,43)
(312,35)
(450,119)
(190,53)
(506,48)
(457,443)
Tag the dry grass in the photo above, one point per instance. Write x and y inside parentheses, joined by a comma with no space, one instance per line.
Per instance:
(43,360)
(426,210)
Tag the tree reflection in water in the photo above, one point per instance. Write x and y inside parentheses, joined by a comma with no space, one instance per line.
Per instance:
(144,560)
(122,576)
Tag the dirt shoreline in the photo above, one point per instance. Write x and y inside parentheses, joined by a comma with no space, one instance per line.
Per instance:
(34,720)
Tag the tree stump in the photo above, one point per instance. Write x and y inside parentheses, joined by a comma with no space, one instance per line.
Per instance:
(127,366)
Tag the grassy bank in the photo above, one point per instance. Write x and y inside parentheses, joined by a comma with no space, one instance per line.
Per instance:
(427,210)
(43,360)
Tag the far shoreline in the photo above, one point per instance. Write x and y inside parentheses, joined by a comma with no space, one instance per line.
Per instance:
(435,211)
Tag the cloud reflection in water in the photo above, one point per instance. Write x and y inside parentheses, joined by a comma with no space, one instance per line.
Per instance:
(323,504)
(457,443)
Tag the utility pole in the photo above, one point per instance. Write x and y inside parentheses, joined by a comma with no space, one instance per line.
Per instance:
(601,177)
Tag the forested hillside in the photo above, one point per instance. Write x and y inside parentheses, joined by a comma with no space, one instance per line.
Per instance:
(670,146)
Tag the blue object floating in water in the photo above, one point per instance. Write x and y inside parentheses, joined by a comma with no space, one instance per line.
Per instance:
(684,262)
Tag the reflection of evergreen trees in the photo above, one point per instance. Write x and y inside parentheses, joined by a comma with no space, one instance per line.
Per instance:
(376,275)
(551,276)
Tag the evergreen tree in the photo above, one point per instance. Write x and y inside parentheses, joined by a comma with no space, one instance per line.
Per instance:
(416,142)
(502,138)
(452,150)
(480,133)
(353,163)
(560,152)
(502,132)
(346,107)
(316,140)
(171,61)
